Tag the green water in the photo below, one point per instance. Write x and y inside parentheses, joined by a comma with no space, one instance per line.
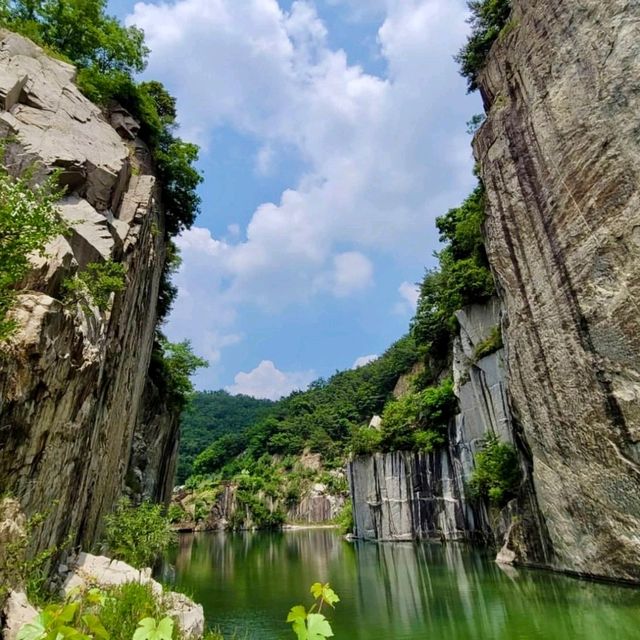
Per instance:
(247,583)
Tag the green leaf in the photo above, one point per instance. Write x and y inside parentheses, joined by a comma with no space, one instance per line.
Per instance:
(298,616)
(297,613)
(318,627)
(165,629)
(95,626)
(148,629)
(325,592)
(33,631)
(67,613)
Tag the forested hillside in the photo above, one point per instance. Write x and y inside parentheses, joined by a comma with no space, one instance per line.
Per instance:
(211,415)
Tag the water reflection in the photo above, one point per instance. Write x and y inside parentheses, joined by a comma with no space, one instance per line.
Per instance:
(395,591)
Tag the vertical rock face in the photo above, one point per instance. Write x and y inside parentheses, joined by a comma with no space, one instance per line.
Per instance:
(560,158)
(403,496)
(72,377)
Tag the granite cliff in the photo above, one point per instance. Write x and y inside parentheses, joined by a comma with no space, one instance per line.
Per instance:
(73,376)
(559,158)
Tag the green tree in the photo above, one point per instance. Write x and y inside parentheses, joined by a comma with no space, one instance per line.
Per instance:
(497,472)
(173,364)
(488,18)
(462,277)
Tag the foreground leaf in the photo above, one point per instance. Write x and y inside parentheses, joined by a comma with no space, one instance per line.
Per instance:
(318,627)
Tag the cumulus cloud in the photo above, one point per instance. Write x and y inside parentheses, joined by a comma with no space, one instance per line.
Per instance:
(410,292)
(382,155)
(364,360)
(267,381)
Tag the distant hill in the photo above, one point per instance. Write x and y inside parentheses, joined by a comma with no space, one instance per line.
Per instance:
(212,414)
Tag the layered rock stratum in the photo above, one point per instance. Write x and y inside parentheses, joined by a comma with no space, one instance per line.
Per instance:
(72,376)
(560,158)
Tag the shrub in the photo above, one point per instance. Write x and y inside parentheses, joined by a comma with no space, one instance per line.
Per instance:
(418,420)
(497,472)
(29,219)
(492,344)
(128,611)
(344,519)
(96,282)
(125,606)
(488,18)
(427,441)
(137,535)
(365,440)
(176,514)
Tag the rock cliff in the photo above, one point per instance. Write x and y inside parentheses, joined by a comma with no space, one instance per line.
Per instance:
(560,157)
(403,496)
(72,377)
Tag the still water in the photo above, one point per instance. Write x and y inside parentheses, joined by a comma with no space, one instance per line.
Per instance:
(247,582)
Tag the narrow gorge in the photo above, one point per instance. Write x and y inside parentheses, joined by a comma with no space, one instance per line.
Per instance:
(504,424)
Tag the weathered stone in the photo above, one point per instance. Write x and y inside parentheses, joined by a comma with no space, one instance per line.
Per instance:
(17,612)
(188,615)
(11,86)
(58,126)
(560,159)
(72,376)
(124,123)
(89,233)
(92,571)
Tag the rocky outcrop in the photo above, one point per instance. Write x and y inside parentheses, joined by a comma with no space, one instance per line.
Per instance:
(154,452)
(560,158)
(316,506)
(17,612)
(406,496)
(73,375)
(221,508)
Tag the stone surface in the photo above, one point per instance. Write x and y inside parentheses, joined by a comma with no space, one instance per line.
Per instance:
(560,157)
(16,613)
(72,377)
(99,571)
(404,496)
(90,571)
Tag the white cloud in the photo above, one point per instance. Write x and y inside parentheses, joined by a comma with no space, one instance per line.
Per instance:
(410,292)
(266,381)
(383,155)
(364,360)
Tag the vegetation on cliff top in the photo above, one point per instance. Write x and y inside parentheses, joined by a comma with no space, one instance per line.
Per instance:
(488,19)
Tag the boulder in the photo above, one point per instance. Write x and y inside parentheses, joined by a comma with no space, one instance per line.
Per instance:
(17,612)
(100,571)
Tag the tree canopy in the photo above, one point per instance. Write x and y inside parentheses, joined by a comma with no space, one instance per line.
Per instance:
(488,19)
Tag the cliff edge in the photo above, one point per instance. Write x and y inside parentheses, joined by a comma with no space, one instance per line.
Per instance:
(73,374)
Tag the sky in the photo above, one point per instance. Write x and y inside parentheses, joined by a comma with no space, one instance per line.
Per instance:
(332,134)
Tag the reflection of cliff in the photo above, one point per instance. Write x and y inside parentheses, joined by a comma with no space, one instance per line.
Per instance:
(435,591)
(393,591)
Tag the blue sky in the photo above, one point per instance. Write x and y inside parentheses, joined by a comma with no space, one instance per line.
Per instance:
(332,134)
